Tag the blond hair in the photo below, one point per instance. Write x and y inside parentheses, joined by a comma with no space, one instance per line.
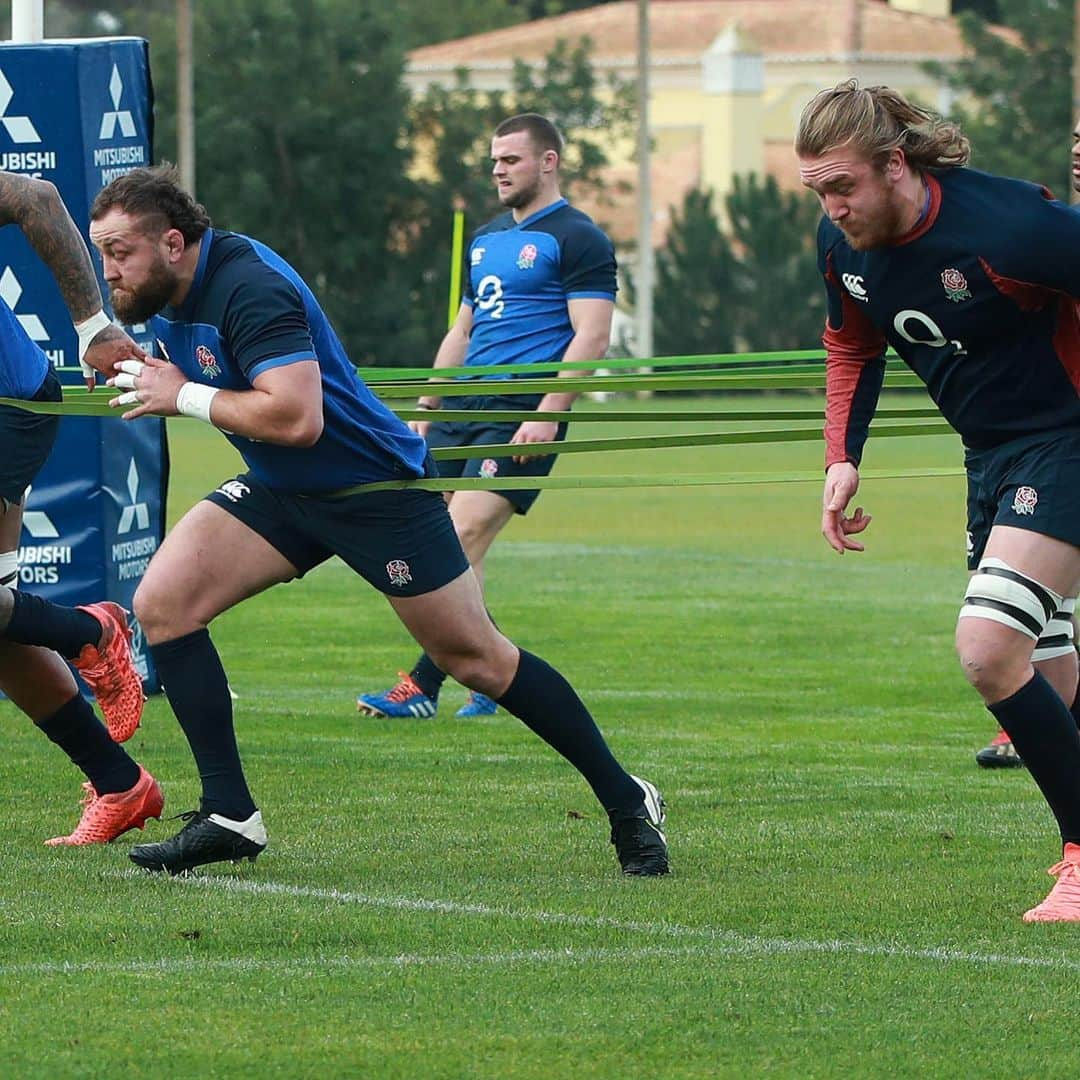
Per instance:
(875,120)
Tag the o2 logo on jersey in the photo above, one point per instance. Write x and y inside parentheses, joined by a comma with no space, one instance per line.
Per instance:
(854,285)
(489,296)
(937,340)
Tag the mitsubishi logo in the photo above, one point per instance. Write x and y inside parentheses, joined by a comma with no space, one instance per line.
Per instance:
(118,116)
(137,514)
(20,128)
(10,292)
(37,523)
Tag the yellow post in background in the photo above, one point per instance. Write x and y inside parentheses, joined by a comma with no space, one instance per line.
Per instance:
(456,246)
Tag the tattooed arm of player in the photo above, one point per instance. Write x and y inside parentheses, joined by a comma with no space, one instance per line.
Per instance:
(36,207)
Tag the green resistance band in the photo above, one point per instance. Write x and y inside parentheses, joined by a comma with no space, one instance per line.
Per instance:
(565,483)
(97,402)
(692,381)
(606,415)
(667,442)
(809,359)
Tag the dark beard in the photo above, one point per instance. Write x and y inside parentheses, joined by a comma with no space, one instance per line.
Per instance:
(522,197)
(153,295)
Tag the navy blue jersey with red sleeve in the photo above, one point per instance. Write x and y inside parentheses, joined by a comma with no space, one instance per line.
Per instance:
(520,277)
(248,311)
(979,299)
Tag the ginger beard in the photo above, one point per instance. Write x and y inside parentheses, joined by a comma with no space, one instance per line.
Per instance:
(859,197)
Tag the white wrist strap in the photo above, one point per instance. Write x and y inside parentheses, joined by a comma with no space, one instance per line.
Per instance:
(87,330)
(194,400)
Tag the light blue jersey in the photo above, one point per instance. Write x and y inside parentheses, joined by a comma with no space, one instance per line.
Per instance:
(520,277)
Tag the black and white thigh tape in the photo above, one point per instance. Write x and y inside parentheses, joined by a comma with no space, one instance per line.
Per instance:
(1058,637)
(996,591)
(9,569)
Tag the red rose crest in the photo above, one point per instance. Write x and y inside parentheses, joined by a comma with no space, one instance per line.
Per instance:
(1025,500)
(207,361)
(527,257)
(956,286)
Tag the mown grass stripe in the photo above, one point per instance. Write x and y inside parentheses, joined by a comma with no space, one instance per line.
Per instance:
(727,941)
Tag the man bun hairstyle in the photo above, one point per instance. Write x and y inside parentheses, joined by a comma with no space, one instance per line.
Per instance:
(154,195)
(874,121)
(542,132)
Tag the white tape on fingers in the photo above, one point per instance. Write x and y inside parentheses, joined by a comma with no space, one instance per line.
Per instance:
(127,399)
(131,367)
(124,382)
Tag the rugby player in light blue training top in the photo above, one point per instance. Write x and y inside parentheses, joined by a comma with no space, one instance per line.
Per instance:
(974,280)
(250,351)
(540,286)
(120,794)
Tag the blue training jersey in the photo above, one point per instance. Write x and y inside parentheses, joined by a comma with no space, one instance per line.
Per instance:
(521,275)
(979,299)
(23,365)
(248,311)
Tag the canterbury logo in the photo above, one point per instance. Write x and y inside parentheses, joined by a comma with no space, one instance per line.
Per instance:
(854,285)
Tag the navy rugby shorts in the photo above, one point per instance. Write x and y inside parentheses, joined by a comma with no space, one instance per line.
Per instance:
(481,432)
(402,542)
(26,440)
(1028,483)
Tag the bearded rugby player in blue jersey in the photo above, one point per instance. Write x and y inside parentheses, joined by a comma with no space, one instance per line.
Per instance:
(539,286)
(34,633)
(250,351)
(974,280)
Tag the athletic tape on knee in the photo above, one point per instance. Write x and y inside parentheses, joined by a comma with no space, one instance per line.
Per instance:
(9,569)
(998,592)
(1058,637)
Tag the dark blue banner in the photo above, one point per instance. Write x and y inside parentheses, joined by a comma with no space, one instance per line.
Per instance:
(80,114)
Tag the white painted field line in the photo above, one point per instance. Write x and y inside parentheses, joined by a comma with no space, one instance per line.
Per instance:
(727,942)
(315,966)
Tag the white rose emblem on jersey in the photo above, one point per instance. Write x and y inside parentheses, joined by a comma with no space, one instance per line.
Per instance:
(398,572)
(526,259)
(1025,500)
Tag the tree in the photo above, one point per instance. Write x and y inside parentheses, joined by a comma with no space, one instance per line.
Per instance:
(751,286)
(300,107)
(780,296)
(1020,122)
(306,138)
(696,311)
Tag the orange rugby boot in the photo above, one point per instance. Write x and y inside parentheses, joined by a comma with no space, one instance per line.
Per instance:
(1063,902)
(105,817)
(110,672)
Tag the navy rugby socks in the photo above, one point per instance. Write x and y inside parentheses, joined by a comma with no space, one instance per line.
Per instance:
(75,728)
(428,677)
(1044,733)
(198,691)
(36,621)
(543,700)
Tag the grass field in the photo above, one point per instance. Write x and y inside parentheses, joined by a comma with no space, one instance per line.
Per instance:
(439,898)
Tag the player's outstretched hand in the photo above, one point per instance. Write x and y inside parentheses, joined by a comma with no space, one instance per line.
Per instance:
(109,347)
(841,484)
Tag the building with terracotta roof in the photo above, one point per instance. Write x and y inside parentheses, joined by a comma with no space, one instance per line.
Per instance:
(728,78)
